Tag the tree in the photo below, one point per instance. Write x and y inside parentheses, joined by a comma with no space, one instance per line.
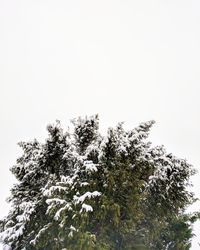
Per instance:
(81,190)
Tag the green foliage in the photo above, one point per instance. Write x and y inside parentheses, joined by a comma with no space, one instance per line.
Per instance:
(83,191)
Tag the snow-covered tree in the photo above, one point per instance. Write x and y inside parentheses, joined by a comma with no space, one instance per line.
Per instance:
(81,190)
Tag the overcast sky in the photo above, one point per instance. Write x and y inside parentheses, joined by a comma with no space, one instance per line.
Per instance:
(126,60)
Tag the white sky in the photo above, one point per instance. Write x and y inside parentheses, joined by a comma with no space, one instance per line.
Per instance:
(126,60)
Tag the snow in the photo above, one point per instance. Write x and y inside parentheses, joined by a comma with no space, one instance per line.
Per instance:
(82,198)
(52,189)
(41,231)
(72,229)
(58,213)
(12,233)
(55,200)
(86,207)
(90,166)
(83,184)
